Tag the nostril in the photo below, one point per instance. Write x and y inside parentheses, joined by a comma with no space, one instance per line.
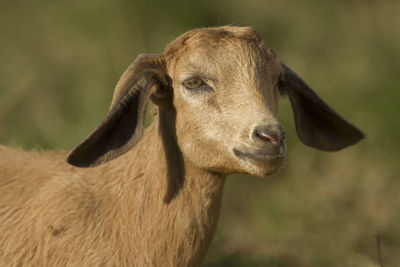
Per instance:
(267,137)
(267,134)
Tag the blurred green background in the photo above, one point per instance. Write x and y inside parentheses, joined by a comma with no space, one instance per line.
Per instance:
(60,61)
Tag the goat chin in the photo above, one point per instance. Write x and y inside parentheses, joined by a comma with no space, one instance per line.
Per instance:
(129,196)
(262,170)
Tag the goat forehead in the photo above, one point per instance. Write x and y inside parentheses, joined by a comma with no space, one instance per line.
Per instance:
(228,58)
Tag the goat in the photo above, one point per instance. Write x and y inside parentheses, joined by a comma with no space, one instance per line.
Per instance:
(152,197)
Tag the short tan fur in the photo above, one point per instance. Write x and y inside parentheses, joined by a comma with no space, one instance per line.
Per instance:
(129,196)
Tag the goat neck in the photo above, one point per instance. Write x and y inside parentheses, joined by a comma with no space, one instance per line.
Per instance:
(174,204)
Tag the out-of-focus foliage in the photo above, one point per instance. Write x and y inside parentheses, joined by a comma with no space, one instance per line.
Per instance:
(61,60)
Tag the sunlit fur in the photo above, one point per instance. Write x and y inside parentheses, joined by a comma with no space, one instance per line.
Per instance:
(140,210)
(243,72)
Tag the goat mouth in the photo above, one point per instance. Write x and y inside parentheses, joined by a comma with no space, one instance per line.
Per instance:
(260,156)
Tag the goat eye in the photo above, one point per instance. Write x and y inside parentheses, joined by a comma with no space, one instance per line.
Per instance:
(193,83)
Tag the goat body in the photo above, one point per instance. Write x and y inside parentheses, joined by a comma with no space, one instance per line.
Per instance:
(53,214)
(152,197)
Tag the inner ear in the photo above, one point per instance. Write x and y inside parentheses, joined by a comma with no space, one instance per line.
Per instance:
(124,124)
(317,124)
(162,97)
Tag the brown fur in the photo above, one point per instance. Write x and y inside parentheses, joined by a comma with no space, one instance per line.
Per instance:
(52,214)
(158,203)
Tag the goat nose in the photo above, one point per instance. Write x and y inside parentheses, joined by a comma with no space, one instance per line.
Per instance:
(269,134)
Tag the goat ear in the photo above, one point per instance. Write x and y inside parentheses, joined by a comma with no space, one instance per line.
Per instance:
(317,124)
(124,124)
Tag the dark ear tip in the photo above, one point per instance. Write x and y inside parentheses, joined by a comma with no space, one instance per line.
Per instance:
(76,159)
(332,143)
(357,136)
(353,136)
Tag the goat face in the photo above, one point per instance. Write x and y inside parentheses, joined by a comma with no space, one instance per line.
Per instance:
(223,85)
(226,98)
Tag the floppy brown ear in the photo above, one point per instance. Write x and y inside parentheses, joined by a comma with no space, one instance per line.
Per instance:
(317,124)
(123,126)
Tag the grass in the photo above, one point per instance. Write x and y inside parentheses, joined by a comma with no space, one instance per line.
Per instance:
(61,62)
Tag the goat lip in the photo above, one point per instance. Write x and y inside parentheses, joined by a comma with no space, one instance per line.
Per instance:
(260,156)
